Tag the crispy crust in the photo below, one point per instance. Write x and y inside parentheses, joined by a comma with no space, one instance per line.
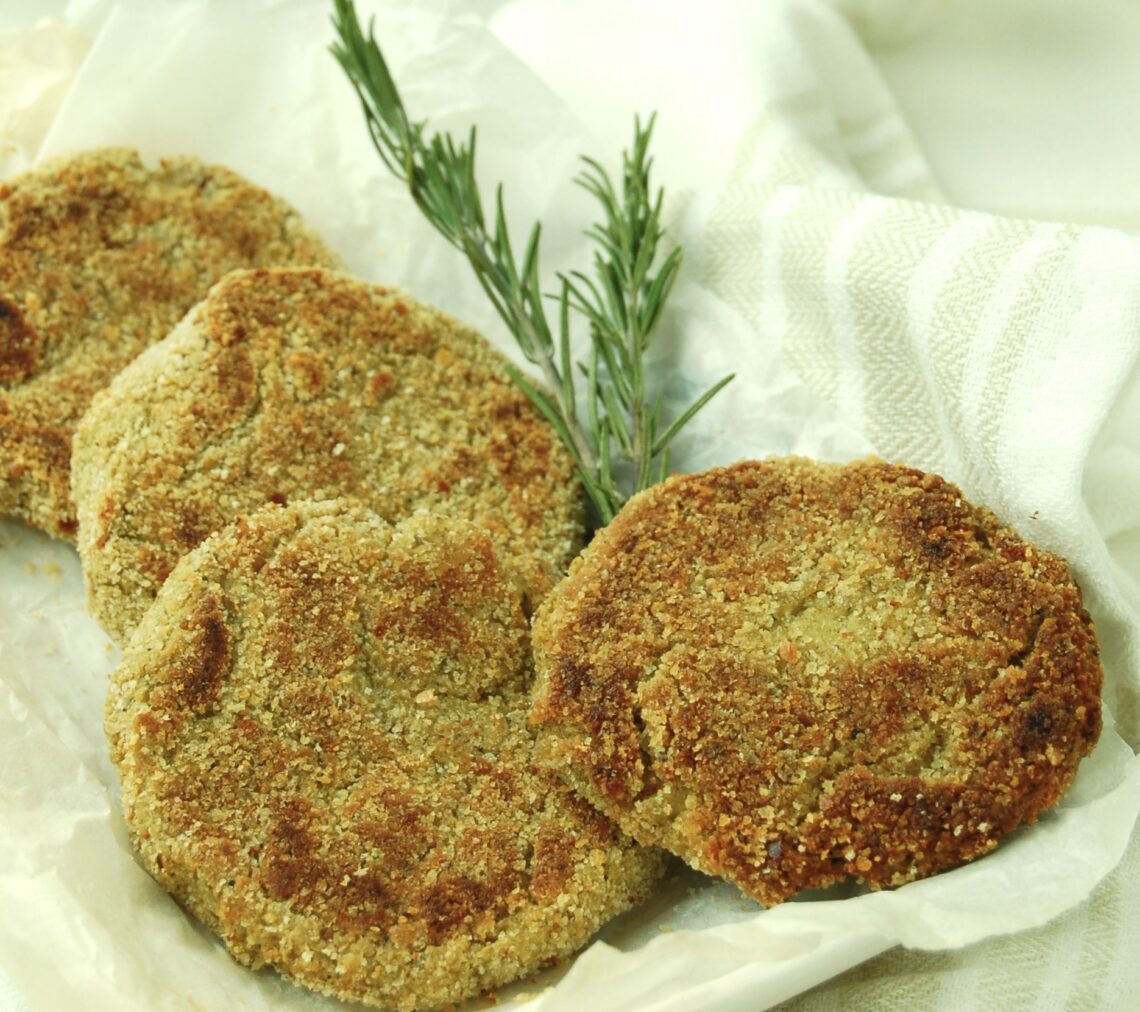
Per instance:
(99,257)
(788,673)
(294,383)
(321,733)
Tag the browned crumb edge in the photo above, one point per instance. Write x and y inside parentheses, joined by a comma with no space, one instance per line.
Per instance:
(321,733)
(291,384)
(100,255)
(789,673)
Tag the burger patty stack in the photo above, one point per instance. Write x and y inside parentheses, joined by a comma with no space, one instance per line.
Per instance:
(368,729)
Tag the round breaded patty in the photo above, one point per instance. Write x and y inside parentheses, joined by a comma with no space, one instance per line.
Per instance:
(293,383)
(100,255)
(321,733)
(788,673)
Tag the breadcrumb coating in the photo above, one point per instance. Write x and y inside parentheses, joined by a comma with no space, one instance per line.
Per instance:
(100,255)
(320,728)
(788,673)
(304,383)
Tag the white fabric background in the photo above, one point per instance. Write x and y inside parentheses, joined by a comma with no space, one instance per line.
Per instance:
(815,183)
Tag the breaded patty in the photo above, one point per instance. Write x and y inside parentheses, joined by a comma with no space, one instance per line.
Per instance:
(100,256)
(788,673)
(321,733)
(293,383)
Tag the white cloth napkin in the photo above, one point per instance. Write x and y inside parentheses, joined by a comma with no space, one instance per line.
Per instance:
(859,309)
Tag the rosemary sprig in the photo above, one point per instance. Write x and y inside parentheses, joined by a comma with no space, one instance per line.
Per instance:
(624,444)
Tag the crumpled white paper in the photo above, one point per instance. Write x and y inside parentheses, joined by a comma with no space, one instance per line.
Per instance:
(251,85)
(36,68)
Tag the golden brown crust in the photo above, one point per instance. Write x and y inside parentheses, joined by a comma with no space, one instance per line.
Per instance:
(99,257)
(321,733)
(788,673)
(294,383)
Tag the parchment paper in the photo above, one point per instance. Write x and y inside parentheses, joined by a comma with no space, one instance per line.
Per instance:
(251,85)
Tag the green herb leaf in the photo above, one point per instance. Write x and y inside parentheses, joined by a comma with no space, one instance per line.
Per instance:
(621,304)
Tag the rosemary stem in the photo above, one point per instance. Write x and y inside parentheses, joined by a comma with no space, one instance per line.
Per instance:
(621,303)
(534,345)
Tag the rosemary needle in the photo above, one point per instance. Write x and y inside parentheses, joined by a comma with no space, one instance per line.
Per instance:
(624,446)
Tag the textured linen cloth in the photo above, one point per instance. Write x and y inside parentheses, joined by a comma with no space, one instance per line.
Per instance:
(861,310)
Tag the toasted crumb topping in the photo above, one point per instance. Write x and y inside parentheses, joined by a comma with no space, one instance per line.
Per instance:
(788,673)
(321,732)
(296,383)
(100,256)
